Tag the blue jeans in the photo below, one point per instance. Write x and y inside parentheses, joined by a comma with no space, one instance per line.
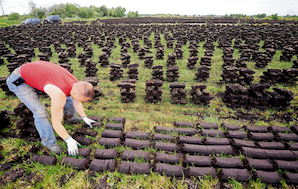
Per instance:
(29,97)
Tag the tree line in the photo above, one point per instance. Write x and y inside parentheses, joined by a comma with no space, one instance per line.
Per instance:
(70,10)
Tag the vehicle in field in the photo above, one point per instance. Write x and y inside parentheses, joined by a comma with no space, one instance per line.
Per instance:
(31,21)
(52,19)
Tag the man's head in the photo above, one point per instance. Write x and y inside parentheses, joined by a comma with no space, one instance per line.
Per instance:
(82,91)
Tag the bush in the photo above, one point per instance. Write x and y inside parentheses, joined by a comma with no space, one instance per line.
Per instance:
(14,16)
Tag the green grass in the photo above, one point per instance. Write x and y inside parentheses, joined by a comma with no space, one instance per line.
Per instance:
(143,117)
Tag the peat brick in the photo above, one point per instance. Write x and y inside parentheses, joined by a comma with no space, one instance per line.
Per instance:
(80,164)
(277,129)
(85,152)
(44,159)
(203,125)
(109,142)
(271,145)
(163,137)
(86,131)
(208,150)
(115,126)
(137,135)
(166,146)
(216,141)
(231,127)
(186,131)
(201,171)
(103,165)
(291,178)
(241,175)
(291,146)
(256,129)
(286,137)
(105,153)
(227,162)
(189,140)
(237,134)
(137,144)
(259,164)
(285,165)
(267,177)
(268,154)
(131,155)
(169,170)
(183,124)
(116,119)
(198,161)
(160,129)
(211,133)
(112,134)
(134,168)
(261,136)
(242,143)
(166,158)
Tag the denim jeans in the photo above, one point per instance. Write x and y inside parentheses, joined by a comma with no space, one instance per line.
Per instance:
(29,97)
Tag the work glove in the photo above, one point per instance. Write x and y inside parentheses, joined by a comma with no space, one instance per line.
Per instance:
(72,146)
(88,121)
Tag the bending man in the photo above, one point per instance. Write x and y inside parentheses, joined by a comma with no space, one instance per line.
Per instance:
(66,94)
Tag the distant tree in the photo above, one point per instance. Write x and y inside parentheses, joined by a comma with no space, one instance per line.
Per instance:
(33,7)
(41,12)
(14,16)
(71,10)
(104,10)
(36,12)
(119,12)
(112,12)
(274,17)
(131,14)
(261,15)
(82,12)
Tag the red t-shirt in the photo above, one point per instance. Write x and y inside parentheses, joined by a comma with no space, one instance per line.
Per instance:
(39,73)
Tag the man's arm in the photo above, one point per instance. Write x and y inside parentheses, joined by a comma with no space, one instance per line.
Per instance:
(58,100)
(79,108)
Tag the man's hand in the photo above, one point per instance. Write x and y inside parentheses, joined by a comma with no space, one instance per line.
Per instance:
(88,121)
(72,146)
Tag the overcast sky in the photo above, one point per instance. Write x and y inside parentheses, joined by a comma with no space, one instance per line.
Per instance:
(182,7)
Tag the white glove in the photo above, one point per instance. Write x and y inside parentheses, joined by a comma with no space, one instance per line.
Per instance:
(72,146)
(88,121)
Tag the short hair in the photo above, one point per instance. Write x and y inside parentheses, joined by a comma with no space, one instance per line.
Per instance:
(88,90)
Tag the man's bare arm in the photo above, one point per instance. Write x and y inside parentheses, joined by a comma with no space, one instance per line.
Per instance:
(58,100)
(79,108)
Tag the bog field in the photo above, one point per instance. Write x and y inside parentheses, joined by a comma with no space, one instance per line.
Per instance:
(179,103)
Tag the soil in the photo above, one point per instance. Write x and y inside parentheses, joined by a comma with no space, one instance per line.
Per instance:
(65,178)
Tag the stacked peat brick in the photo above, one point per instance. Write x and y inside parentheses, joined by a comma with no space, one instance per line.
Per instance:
(287,54)
(91,69)
(178,93)
(261,58)
(153,91)
(204,69)
(127,90)
(157,73)
(200,95)
(116,72)
(172,73)
(133,71)
(256,96)
(104,59)
(125,59)
(288,76)
(148,61)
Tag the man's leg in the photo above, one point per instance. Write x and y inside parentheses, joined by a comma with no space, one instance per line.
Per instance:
(70,113)
(29,97)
